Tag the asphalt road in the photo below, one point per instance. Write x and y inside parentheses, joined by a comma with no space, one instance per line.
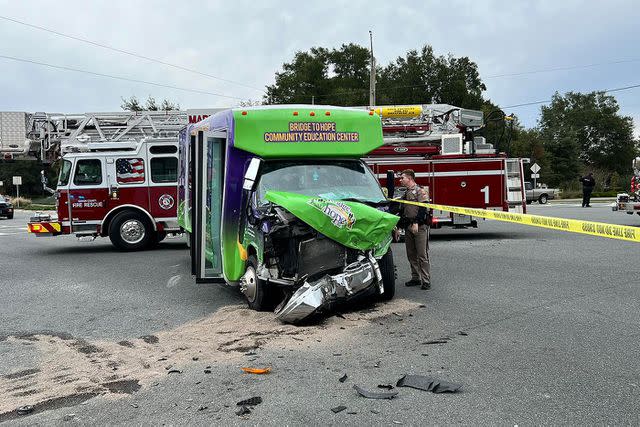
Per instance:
(539,327)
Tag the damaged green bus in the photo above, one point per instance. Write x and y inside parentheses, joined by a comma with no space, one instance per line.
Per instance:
(276,200)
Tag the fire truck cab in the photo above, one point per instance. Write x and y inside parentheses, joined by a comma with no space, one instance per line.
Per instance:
(124,190)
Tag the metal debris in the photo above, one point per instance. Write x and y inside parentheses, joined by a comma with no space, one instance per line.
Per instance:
(312,296)
(25,410)
(422,382)
(375,395)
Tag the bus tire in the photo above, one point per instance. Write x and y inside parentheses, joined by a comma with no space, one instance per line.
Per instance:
(131,231)
(256,292)
(388,271)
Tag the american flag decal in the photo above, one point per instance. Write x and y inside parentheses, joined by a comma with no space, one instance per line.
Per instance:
(129,171)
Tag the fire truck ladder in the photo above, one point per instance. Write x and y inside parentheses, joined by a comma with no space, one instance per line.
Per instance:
(61,133)
(514,185)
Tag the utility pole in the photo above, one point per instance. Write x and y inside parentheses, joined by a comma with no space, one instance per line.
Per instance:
(372,81)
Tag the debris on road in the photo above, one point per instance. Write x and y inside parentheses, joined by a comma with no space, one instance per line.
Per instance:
(174,371)
(250,402)
(257,371)
(438,341)
(463,333)
(338,409)
(343,378)
(422,382)
(375,395)
(25,410)
(243,411)
(387,386)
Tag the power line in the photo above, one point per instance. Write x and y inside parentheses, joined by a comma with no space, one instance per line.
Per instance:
(571,67)
(60,67)
(126,52)
(549,100)
(547,70)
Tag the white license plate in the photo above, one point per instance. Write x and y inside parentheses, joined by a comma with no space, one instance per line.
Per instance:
(459,219)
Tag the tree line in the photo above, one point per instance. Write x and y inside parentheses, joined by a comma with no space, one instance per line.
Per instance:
(576,132)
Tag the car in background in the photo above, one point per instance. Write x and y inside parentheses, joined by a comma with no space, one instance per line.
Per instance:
(540,195)
(6,208)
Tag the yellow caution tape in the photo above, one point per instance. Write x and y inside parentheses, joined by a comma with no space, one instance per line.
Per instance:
(601,229)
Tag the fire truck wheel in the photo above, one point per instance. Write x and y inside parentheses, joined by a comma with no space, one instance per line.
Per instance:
(543,199)
(388,270)
(255,292)
(130,231)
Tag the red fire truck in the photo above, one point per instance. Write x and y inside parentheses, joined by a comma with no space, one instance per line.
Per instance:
(437,141)
(118,175)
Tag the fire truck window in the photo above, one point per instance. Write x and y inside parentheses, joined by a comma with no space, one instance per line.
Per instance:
(65,173)
(163,149)
(88,172)
(164,169)
(129,171)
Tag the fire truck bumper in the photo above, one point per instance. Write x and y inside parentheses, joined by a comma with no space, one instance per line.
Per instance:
(43,226)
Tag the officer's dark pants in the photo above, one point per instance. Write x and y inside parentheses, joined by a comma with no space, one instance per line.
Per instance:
(586,196)
(418,253)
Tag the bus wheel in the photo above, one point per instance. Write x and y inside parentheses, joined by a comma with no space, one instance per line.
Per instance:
(252,287)
(388,271)
(130,231)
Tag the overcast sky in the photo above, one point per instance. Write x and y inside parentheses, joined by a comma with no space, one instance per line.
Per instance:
(247,42)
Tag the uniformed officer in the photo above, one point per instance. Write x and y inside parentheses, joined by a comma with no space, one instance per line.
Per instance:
(415,220)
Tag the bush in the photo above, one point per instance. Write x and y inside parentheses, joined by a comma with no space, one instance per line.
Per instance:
(22,202)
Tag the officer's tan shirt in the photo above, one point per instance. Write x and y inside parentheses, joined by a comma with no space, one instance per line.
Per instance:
(416,194)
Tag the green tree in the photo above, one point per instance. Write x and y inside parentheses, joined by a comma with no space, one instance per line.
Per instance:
(603,138)
(422,77)
(133,104)
(341,77)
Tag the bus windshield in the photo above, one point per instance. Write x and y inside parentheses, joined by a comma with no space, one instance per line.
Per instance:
(336,180)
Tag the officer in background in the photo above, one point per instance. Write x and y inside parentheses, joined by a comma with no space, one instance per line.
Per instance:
(588,182)
(415,221)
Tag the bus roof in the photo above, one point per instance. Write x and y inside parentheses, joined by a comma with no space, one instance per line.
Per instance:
(280,131)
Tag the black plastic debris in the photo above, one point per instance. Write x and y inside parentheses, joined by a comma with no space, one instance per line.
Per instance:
(25,410)
(343,378)
(252,401)
(174,371)
(387,386)
(422,382)
(202,408)
(195,359)
(375,395)
(438,341)
(463,333)
(338,409)
(243,411)
(207,371)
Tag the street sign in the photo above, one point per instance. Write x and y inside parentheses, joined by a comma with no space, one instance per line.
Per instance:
(17,180)
(535,175)
(535,168)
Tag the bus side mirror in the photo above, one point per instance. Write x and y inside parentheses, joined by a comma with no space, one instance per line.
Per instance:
(391,184)
(251,174)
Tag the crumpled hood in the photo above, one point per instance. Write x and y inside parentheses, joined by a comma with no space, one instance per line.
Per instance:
(352,224)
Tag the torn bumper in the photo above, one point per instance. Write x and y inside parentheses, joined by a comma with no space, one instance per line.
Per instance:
(357,277)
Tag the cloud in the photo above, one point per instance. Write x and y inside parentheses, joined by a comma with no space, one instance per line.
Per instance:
(249,41)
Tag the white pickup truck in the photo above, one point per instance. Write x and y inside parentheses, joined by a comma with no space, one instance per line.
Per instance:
(541,195)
